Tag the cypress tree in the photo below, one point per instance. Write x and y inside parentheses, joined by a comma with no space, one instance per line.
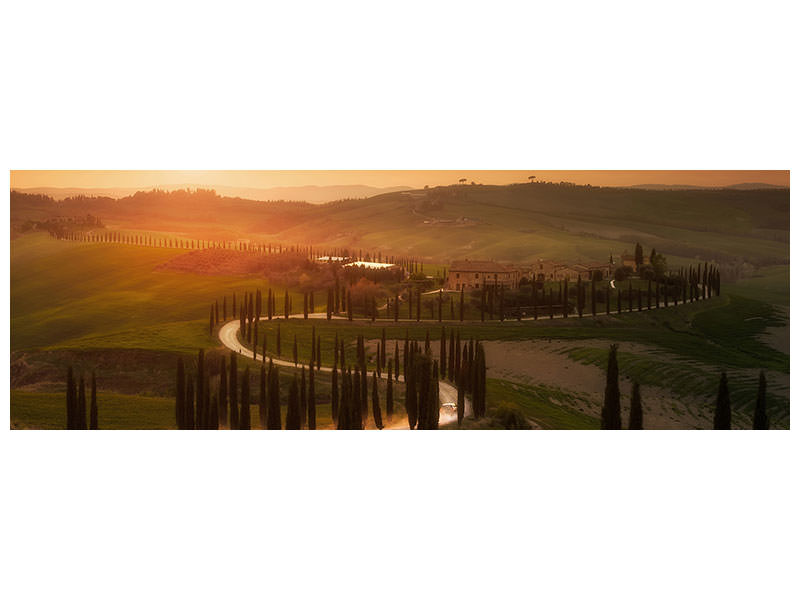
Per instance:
(376,406)
(274,406)
(451,359)
(312,400)
(262,398)
(349,306)
(419,304)
(233,413)
(200,421)
(364,396)
(611,414)
(343,414)
(389,395)
(286,304)
(303,398)
(214,410)
(461,399)
(319,352)
(443,352)
(411,392)
(335,394)
(71,400)
(222,397)
(382,354)
(211,321)
(294,350)
(180,397)
(293,410)
(722,413)
(479,385)
(636,420)
(356,410)
(760,418)
(305,305)
(82,404)
(244,408)
(93,410)
(189,418)
(396,361)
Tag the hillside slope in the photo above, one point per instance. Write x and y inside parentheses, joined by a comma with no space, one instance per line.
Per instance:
(513,223)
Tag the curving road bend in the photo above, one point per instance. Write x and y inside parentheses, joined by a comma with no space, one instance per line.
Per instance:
(447,392)
(228,335)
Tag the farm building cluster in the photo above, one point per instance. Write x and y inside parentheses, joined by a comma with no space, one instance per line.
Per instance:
(472,274)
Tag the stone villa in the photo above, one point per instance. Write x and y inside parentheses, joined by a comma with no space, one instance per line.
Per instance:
(471,275)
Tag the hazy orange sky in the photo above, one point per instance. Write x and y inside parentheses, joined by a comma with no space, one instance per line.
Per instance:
(265,179)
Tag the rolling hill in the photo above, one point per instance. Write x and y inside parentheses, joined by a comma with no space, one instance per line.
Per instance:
(512,223)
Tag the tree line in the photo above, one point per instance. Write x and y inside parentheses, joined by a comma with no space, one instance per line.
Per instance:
(198,406)
(76,402)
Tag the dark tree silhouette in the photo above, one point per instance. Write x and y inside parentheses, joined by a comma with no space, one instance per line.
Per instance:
(244,409)
(760,418)
(293,420)
(722,412)
(389,395)
(312,399)
(180,397)
(233,416)
(303,399)
(222,397)
(460,406)
(262,398)
(376,402)
(611,417)
(82,404)
(93,410)
(636,420)
(274,401)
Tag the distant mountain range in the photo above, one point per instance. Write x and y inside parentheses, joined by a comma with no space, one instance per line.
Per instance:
(313,194)
(735,186)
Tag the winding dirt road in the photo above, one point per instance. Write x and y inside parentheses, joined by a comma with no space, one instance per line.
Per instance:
(228,335)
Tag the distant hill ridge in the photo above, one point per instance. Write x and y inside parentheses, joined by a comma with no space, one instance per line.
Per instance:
(735,186)
(515,223)
(314,194)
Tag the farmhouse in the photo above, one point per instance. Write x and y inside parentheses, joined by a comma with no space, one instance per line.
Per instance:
(546,270)
(472,274)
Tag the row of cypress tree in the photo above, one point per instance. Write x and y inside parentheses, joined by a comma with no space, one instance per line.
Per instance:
(611,414)
(76,402)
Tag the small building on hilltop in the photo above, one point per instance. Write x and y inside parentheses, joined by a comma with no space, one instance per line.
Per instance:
(472,274)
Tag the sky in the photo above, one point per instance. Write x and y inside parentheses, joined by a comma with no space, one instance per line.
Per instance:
(416,179)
